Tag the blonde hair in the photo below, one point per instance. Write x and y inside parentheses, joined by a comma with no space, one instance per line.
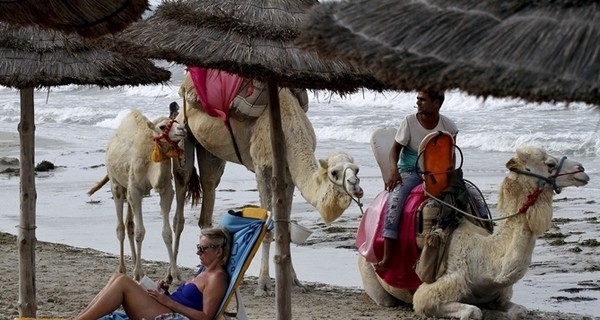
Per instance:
(219,237)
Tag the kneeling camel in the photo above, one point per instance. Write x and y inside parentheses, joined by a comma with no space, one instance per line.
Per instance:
(481,267)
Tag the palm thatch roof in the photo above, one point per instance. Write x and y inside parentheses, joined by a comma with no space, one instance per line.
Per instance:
(88,18)
(31,57)
(252,38)
(543,50)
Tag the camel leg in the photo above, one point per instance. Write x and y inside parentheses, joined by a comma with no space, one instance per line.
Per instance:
(431,299)
(263,179)
(211,170)
(372,286)
(119,198)
(130,226)
(182,170)
(503,304)
(134,197)
(166,200)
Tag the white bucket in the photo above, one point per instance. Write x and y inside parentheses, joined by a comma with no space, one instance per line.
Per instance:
(298,233)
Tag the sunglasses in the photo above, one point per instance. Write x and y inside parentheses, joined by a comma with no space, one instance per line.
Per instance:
(202,249)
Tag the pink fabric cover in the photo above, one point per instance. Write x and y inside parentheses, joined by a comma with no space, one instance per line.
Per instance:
(369,225)
(216,90)
(400,274)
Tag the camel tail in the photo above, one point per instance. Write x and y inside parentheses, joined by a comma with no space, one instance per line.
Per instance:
(194,190)
(98,185)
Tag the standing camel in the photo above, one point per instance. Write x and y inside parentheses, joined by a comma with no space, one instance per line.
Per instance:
(482,268)
(138,160)
(327,184)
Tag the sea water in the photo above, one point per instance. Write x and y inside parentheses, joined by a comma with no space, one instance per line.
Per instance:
(74,123)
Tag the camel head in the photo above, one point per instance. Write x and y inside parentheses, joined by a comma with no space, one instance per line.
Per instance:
(339,169)
(529,188)
(168,133)
(546,170)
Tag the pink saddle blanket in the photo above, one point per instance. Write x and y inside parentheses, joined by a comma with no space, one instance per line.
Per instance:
(369,240)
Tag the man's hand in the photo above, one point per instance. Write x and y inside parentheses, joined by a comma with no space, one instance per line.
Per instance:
(394,180)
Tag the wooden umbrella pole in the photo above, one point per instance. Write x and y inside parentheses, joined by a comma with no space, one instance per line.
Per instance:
(26,238)
(281,211)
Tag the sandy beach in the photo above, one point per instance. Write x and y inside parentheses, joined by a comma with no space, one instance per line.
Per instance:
(69,277)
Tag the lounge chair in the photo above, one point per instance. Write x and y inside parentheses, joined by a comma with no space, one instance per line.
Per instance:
(248,228)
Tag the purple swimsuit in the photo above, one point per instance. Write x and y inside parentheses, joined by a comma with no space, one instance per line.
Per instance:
(189,295)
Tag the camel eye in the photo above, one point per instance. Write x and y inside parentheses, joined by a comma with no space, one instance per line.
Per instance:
(162,128)
(334,173)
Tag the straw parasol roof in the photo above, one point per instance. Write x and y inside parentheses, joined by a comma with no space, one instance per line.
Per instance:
(31,57)
(89,18)
(254,39)
(535,50)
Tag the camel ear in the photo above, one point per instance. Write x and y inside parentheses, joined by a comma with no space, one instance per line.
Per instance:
(323,163)
(512,163)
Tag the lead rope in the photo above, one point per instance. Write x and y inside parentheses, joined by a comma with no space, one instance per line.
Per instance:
(472,216)
(357,200)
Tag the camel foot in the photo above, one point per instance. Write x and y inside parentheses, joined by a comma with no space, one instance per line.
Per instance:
(516,312)
(265,287)
(173,276)
(299,286)
(471,313)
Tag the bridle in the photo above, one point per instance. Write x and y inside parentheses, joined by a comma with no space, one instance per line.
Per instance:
(357,200)
(164,135)
(175,150)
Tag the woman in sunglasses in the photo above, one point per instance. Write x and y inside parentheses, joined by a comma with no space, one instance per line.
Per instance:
(198,298)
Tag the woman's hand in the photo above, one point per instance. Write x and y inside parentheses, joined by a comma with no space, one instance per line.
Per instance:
(160,297)
(162,284)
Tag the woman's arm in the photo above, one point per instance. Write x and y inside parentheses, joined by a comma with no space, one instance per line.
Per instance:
(212,295)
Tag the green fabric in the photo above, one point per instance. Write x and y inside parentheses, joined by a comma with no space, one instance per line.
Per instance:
(408,160)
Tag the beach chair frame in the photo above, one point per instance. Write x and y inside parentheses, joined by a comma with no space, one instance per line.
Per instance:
(248,228)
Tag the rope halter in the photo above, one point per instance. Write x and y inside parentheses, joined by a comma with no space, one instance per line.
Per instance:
(542,181)
(164,135)
(174,151)
(355,183)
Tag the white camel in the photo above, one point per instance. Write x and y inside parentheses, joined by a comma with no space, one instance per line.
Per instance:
(327,184)
(138,160)
(482,267)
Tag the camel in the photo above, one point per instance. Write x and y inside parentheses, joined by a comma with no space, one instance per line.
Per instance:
(138,160)
(327,184)
(483,267)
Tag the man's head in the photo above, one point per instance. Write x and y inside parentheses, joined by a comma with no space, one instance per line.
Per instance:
(429,102)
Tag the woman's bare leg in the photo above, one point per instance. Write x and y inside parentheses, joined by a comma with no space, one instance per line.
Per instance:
(99,294)
(121,289)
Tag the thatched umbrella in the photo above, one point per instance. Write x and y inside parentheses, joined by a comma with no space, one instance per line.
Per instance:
(30,57)
(254,39)
(534,50)
(251,38)
(88,18)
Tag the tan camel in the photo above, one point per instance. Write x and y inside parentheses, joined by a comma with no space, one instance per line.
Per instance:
(135,167)
(482,268)
(327,184)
